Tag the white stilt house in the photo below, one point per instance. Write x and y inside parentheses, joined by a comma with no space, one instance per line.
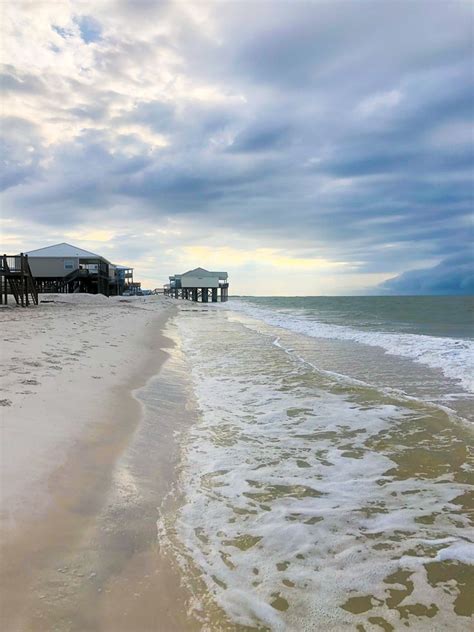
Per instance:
(199,284)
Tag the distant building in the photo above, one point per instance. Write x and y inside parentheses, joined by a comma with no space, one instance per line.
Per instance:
(123,277)
(66,268)
(197,283)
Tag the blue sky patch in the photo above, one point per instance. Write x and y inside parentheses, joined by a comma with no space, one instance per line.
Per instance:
(91,30)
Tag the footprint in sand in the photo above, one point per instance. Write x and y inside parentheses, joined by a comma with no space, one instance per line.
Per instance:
(31,382)
(20,371)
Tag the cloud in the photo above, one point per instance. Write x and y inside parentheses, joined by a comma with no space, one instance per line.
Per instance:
(453,275)
(21,150)
(377,102)
(261,138)
(308,129)
(13,81)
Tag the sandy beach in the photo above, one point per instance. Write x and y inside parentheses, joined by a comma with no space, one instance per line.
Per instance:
(70,369)
(169,466)
(240,395)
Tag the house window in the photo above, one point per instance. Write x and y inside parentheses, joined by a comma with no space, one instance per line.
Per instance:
(68,264)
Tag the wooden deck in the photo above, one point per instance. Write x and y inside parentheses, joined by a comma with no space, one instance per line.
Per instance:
(16,280)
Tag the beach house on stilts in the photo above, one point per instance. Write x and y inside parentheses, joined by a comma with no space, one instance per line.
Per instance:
(67,268)
(199,285)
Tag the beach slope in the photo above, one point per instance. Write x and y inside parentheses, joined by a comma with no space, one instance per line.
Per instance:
(69,370)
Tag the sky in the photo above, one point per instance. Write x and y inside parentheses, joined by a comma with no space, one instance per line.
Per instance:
(307,148)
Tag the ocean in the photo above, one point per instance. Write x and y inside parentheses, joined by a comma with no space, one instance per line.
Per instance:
(325,479)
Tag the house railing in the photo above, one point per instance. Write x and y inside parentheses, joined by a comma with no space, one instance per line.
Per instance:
(17,280)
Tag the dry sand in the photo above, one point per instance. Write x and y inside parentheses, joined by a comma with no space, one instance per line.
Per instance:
(69,369)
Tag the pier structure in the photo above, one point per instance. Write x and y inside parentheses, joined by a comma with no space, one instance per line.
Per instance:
(199,285)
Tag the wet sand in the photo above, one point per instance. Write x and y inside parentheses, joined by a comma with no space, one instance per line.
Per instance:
(311,501)
(86,556)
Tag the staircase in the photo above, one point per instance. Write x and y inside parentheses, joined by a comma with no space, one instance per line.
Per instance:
(16,279)
(71,282)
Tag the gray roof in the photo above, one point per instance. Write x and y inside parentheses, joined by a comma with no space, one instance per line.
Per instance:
(202,272)
(196,271)
(64,250)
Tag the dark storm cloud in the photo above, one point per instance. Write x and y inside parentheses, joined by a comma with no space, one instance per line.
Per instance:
(341,131)
(454,275)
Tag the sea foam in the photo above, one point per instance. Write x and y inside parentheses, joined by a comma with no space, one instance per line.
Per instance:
(296,497)
(454,357)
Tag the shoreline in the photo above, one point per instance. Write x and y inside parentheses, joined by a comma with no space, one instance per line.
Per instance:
(173,509)
(54,517)
(306,499)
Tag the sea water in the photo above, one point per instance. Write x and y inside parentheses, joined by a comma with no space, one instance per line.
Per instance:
(326,481)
